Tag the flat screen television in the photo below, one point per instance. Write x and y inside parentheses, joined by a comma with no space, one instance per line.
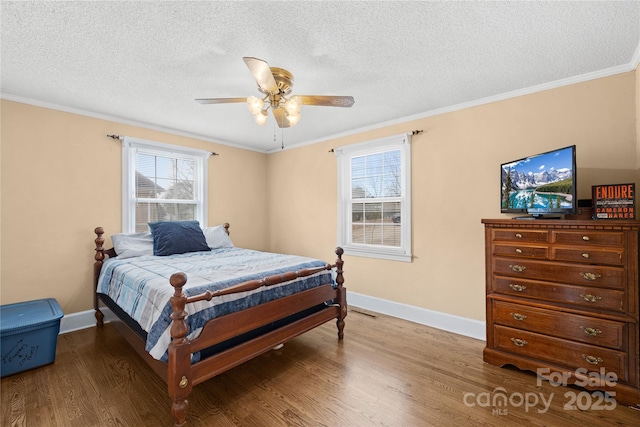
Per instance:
(542,185)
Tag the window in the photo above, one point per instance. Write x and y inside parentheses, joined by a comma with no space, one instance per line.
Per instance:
(374,198)
(162,182)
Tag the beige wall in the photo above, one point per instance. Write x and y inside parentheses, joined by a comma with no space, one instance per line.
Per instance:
(455,168)
(61,177)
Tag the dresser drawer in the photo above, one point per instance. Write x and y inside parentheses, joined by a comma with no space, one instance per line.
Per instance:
(562,352)
(515,235)
(587,237)
(590,330)
(538,252)
(589,255)
(589,275)
(583,296)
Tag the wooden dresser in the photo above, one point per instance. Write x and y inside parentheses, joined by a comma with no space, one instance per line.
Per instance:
(562,297)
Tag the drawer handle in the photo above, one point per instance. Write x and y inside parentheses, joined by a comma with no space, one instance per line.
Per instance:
(518,236)
(592,359)
(590,298)
(517,288)
(518,250)
(586,238)
(585,256)
(518,316)
(519,342)
(590,276)
(594,332)
(517,268)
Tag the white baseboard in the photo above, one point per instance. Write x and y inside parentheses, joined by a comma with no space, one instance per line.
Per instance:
(447,322)
(83,319)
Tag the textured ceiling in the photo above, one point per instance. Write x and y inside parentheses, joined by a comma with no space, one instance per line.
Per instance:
(145,62)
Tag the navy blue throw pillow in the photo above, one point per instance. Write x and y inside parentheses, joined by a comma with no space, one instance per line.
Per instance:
(177,237)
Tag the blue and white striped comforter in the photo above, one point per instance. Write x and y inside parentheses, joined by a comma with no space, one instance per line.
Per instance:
(140,286)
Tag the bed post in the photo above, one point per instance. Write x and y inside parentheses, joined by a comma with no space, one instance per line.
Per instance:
(342,293)
(179,365)
(97,266)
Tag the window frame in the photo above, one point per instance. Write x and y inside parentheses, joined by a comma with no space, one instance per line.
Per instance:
(344,155)
(130,146)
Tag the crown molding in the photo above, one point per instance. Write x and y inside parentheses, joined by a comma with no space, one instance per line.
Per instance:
(122,120)
(631,66)
(488,100)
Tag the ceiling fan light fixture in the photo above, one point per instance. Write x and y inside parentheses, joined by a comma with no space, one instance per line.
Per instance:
(261,117)
(293,105)
(255,104)
(293,119)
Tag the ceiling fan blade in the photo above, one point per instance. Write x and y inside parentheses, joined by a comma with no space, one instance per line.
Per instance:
(281,118)
(262,73)
(328,101)
(220,100)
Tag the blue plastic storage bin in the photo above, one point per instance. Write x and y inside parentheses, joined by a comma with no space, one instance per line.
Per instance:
(28,335)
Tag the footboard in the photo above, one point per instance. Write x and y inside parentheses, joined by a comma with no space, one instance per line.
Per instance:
(183,375)
(286,318)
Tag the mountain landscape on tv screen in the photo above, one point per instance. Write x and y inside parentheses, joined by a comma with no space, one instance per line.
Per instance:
(529,180)
(547,189)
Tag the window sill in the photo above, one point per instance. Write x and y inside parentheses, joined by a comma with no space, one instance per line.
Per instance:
(378,254)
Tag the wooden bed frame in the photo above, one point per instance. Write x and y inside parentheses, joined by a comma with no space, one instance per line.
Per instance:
(179,373)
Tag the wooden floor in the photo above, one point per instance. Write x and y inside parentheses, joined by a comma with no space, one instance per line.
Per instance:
(386,372)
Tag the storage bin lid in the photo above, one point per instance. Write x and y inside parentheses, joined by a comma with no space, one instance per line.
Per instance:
(28,315)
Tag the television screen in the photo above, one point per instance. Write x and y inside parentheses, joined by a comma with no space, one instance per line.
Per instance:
(541,184)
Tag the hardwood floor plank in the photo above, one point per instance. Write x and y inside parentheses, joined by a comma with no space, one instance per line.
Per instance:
(386,372)
(17,408)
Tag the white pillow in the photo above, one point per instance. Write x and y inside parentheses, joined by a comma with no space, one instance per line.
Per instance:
(217,237)
(129,245)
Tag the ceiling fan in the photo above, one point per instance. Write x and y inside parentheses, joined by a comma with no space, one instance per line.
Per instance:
(276,85)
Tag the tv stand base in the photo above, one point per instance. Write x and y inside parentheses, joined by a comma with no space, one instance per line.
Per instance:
(540,217)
